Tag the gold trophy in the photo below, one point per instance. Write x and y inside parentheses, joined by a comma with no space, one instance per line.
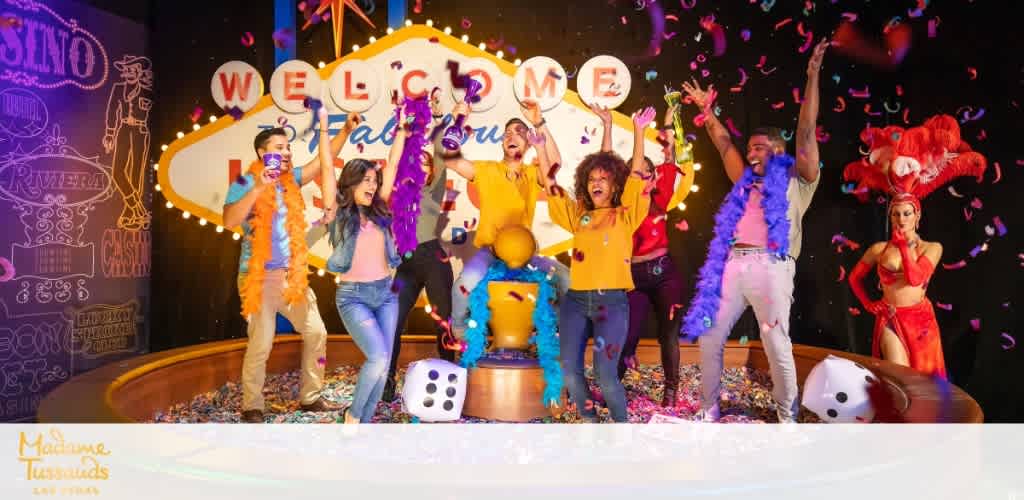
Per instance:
(507,383)
(682,148)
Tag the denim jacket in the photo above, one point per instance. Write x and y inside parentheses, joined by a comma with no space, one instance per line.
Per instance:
(342,234)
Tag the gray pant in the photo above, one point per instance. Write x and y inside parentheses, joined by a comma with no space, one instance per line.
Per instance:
(474,270)
(765,282)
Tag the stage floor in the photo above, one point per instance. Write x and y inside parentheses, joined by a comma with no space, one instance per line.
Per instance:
(746,398)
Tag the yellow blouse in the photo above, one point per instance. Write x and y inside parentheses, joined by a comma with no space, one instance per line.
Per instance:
(602,238)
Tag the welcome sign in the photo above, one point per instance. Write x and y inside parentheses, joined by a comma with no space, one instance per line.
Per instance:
(195,171)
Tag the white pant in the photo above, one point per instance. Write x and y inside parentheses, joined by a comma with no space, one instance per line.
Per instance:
(766,283)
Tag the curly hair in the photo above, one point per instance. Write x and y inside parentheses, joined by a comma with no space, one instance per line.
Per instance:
(609,162)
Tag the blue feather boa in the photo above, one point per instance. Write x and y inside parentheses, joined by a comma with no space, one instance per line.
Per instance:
(544,319)
(704,306)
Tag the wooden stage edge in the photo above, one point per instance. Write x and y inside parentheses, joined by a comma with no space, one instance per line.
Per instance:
(132,390)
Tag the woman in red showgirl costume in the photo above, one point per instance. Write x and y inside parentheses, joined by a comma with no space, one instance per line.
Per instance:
(908,164)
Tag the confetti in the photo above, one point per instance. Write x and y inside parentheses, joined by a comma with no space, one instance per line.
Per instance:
(197,113)
(842,274)
(418,8)
(247,39)
(682,225)
(944,307)
(972,72)
(577,255)
(976,324)
(840,105)
(466,23)
(976,204)
(515,295)
(234,112)
(782,23)
(745,35)
(1000,228)
(999,173)
(1007,336)
(853,311)
(960,264)
(650,75)
(284,38)
(321,361)
(952,191)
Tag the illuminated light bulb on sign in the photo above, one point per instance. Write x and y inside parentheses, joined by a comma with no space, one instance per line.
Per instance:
(427,309)
(447,30)
(430,22)
(186,214)
(390,30)
(202,222)
(220,229)
(373,39)
(321,64)
(163,147)
(169,205)
(681,206)
(195,126)
(180,135)
(156,166)
(482,46)
(355,47)
(465,38)
(213,118)
(694,188)
(235,236)
(157,187)
(337,279)
(408,22)
(500,54)
(696,166)
(319,272)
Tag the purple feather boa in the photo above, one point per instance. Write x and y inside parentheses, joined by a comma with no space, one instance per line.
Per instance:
(704,306)
(410,177)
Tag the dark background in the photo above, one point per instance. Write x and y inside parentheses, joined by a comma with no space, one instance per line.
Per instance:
(194,268)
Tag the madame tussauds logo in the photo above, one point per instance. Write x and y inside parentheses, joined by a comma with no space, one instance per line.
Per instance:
(49,457)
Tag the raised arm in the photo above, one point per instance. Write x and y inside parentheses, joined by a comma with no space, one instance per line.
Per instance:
(807,157)
(668,127)
(731,157)
(235,213)
(641,119)
(866,264)
(390,170)
(606,125)
(312,170)
(453,158)
(531,110)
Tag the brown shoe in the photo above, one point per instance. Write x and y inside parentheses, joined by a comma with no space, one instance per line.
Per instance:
(252,416)
(320,405)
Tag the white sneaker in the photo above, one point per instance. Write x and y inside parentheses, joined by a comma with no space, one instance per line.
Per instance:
(709,415)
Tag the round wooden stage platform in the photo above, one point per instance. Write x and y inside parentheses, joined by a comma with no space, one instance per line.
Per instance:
(133,390)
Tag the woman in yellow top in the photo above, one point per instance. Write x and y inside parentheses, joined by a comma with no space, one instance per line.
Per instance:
(609,205)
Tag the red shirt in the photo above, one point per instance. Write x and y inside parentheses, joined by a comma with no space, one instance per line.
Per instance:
(652,233)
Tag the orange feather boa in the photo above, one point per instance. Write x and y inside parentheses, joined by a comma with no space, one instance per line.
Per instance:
(260,241)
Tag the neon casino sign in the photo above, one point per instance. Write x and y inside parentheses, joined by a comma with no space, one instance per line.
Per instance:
(48,51)
(196,170)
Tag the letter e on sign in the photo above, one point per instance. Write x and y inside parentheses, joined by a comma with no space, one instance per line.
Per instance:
(604,80)
(236,83)
(291,83)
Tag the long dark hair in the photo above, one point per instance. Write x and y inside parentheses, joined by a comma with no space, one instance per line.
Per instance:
(609,162)
(348,210)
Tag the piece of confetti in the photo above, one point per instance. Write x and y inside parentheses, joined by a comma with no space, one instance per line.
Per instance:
(1012,341)
(466,23)
(976,324)
(283,38)
(960,264)
(944,307)
(247,39)
(1000,228)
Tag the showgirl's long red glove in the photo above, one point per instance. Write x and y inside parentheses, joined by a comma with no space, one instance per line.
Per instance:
(856,280)
(916,271)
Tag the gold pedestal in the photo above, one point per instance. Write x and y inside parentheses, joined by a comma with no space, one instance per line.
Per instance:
(508,390)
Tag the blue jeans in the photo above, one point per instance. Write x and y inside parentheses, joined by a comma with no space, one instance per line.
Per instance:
(369,312)
(474,270)
(607,312)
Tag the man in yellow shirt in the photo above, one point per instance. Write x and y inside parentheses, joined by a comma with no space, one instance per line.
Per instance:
(509,190)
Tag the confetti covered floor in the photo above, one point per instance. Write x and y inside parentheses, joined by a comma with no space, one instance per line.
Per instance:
(746,398)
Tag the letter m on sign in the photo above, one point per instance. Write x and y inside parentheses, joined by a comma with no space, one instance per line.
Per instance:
(534,89)
(231,86)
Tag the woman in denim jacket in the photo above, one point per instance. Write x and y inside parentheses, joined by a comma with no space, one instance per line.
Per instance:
(364,255)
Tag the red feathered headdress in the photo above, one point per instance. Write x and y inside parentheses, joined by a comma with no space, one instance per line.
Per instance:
(912,163)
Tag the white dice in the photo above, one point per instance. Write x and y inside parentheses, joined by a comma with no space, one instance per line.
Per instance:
(434,390)
(836,391)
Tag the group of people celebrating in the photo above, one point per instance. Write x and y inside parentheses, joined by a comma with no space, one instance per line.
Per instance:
(620,268)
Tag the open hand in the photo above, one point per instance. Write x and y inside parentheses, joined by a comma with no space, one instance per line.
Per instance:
(878,307)
(814,65)
(602,112)
(670,114)
(643,117)
(899,239)
(700,97)
(352,121)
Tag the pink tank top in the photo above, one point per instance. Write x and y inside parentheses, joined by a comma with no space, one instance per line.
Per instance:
(752,228)
(369,261)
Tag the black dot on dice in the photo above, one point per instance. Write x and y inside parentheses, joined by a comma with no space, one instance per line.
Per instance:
(832,413)
(433,374)
(429,401)
(431,388)
(841,397)
(450,392)
(448,405)
(452,377)
(869,379)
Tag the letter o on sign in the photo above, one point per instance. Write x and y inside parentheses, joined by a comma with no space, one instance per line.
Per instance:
(604,80)
(236,84)
(493,83)
(540,79)
(291,83)
(355,86)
